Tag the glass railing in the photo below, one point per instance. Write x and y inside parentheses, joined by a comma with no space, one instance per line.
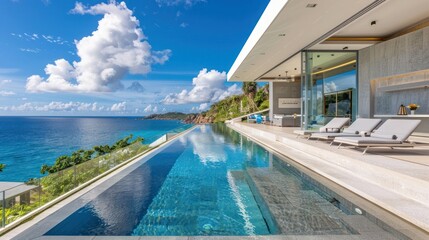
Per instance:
(178,130)
(19,200)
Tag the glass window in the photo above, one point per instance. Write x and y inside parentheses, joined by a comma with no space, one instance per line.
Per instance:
(329,82)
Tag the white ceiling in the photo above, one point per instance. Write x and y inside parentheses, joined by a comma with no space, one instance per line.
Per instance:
(299,25)
(390,17)
(267,48)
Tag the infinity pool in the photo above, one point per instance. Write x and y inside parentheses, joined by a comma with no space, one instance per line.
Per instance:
(211,181)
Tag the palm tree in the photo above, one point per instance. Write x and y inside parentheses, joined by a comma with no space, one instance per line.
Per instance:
(250,89)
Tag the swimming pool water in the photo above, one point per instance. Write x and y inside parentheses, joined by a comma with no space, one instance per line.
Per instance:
(211,181)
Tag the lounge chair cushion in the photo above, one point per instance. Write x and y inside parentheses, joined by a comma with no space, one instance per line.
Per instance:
(334,125)
(363,125)
(329,130)
(386,136)
(304,132)
(352,131)
(332,135)
(401,128)
(366,140)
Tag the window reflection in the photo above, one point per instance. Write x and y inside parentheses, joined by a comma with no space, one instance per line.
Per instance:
(330,87)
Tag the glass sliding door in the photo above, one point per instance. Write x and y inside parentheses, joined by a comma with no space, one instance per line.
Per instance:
(338,104)
(329,84)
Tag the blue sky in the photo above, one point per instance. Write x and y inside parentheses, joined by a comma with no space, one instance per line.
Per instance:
(119,58)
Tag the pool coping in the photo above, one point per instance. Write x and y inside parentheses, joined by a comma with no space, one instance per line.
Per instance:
(13,229)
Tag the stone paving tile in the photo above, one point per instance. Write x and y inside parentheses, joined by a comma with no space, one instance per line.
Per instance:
(321,237)
(229,237)
(361,224)
(65,238)
(164,238)
(117,238)
(377,236)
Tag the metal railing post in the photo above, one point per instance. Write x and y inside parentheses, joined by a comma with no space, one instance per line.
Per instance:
(40,191)
(4,210)
(74,173)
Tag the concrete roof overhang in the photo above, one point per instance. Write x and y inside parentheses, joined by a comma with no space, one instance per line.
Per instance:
(289,26)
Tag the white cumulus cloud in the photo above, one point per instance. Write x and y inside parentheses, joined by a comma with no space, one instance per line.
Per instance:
(201,107)
(6,93)
(119,107)
(187,3)
(116,48)
(208,87)
(6,81)
(150,108)
(54,107)
(330,87)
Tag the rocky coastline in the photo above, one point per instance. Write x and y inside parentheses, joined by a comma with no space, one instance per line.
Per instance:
(190,118)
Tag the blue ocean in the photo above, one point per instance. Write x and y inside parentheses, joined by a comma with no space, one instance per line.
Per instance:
(28,142)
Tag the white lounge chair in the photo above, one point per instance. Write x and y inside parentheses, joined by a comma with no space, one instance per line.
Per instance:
(335,125)
(392,133)
(360,127)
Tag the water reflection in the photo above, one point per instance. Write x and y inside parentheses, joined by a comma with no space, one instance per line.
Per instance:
(208,147)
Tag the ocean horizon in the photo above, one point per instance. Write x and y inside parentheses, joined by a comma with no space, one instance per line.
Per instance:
(27,142)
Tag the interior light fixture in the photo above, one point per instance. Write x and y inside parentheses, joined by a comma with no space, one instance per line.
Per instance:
(311,5)
(286,78)
(335,67)
(358,211)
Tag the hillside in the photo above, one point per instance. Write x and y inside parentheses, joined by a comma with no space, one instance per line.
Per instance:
(168,116)
(251,100)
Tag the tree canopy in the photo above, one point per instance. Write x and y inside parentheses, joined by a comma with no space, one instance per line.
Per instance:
(80,156)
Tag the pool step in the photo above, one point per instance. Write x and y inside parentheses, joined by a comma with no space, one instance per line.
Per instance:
(297,209)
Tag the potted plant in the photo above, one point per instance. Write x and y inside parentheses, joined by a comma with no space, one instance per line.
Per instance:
(413,107)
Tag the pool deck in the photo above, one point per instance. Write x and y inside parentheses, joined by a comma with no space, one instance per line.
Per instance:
(395,182)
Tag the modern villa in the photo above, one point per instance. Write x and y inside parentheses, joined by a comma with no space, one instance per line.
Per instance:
(349,62)
(340,58)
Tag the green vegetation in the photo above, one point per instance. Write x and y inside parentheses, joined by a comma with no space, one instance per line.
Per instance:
(168,116)
(2,166)
(80,156)
(252,100)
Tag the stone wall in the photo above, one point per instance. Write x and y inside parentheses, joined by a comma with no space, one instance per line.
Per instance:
(284,90)
(405,54)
